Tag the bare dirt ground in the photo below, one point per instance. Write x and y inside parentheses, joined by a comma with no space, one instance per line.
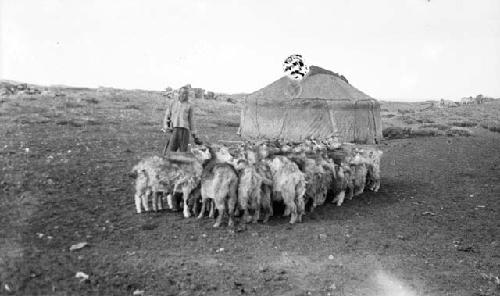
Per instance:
(432,229)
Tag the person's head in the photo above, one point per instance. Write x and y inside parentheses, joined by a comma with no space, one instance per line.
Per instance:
(183,94)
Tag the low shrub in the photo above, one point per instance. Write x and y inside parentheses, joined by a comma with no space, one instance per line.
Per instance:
(465,123)
(493,126)
(424,120)
(405,111)
(119,99)
(439,126)
(426,132)
(396,132)
(91,100)
(132,107)
(92,122)
(228,123)
(78,122)
(31,120)
(69,122)
(407,119)
(29,98)
(72,105)
(458,132)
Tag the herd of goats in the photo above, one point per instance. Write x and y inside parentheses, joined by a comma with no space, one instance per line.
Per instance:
(251,177)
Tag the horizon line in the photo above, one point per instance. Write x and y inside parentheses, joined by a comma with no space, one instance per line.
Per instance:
(391,99)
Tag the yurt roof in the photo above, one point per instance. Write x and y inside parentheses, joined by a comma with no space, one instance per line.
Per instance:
(319,83)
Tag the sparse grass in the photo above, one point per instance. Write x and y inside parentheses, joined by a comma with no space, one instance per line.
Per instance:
(132,107)
(91,100)
(148,123)
(119,99)
(72,105)
(228,123)
(443,119)
(204,112)
(90,185)
(78,122)
(53,115)
(27,109)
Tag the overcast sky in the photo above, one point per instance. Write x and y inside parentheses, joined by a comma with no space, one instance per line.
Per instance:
(389,49)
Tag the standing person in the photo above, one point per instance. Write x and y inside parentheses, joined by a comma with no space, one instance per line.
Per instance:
(179,119)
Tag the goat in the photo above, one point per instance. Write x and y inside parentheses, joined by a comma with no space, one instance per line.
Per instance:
(252,193)
(342,184)
(219,182)
(179,173)
(288,186)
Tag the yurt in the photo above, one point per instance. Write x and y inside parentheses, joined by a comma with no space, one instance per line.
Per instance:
(320,105)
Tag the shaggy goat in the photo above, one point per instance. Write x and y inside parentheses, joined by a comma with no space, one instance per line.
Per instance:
(342,184)
(252,192)
(142,189)
(358,178)
(370,157)
(373,157)
(219,182)
(155,174)
(289,186)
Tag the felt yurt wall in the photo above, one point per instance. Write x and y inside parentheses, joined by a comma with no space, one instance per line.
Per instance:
(321,105)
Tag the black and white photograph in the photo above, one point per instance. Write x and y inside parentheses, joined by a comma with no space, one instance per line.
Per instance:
(237,147)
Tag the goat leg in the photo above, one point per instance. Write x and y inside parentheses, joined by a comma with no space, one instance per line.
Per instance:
(287,211)
(155,201)
(256,215)
(185,197)
(160,201)
(350,191)
(231,205)
(292,208)
(144,199)
(301,207)
(246,216)
(137,199)
(203,206)
(170,201)
(211,213)
(377,186)
(220,209)
(339,198)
